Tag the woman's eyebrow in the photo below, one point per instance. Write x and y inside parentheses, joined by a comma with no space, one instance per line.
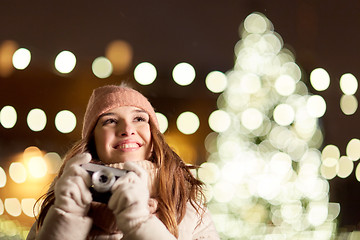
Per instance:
(106,114)
(140,111)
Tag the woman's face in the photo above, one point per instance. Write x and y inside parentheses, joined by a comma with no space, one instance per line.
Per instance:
(123,134)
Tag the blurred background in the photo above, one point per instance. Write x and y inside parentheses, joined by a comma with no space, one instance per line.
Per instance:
(261,94)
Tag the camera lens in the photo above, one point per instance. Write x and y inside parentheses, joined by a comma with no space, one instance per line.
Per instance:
(103,180)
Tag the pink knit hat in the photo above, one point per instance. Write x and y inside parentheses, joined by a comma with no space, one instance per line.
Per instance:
(108,97)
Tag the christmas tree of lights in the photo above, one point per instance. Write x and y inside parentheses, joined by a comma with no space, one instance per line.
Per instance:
(262,172)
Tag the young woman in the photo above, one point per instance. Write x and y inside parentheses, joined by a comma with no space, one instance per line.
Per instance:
(157,199)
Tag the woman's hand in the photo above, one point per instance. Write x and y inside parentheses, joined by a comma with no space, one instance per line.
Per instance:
(72,193)
(130,199)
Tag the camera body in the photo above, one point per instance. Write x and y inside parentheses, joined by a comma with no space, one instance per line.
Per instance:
(103,178)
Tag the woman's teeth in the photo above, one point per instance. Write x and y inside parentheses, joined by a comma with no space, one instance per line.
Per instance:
(128,145)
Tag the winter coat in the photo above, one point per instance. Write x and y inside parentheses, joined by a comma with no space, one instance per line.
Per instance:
(60,225)
(100,223)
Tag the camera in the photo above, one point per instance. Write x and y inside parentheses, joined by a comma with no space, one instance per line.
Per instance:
(103,178)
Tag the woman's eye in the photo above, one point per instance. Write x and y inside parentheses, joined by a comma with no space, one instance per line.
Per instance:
(140,119)
(109,121)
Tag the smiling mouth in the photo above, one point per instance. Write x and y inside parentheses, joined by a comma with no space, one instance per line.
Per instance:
(127,146)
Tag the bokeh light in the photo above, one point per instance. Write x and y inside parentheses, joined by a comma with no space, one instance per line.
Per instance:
(27,206)
(163,122)
(2,178)
(36,120)
(102,67)
(216,81)
(145,73)
(120,54)
(346,166)
(183,74)
(250,83)
(219,121)
(316,106)
(17,172)
(251,118)
(272,181)
(330,151)
(2,208)
(37,167)
(353,149)
(255,23)
(30,152)
(284,114)
(357,172)
(21,58)
(285,85)
(65,62)
(318,213)
(7,49)
(348,104)
(53,162)
(208,172)
(65,121)
(8,117)
(188,122)
(320,79)
(329,168)
(348,84)
(13,206)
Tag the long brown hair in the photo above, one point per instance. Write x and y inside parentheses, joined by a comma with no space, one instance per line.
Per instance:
(177,185)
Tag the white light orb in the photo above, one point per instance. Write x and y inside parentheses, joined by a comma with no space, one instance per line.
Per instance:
(320,79)
(284,114)
(37,167)
(65,121)
(316,106)
(348,84)
(17,172)
(65,62)
(21,58)
(183,74)
(219,121)
(188,122)
(36,120)
(145,73)
(102,67)
(163,122)
(216,81)
(8,117)
(13,206)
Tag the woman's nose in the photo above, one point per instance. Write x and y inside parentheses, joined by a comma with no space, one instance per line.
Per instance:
(125,129)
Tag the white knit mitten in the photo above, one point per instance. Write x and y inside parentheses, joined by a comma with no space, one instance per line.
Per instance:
(130,199)
(72,194)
